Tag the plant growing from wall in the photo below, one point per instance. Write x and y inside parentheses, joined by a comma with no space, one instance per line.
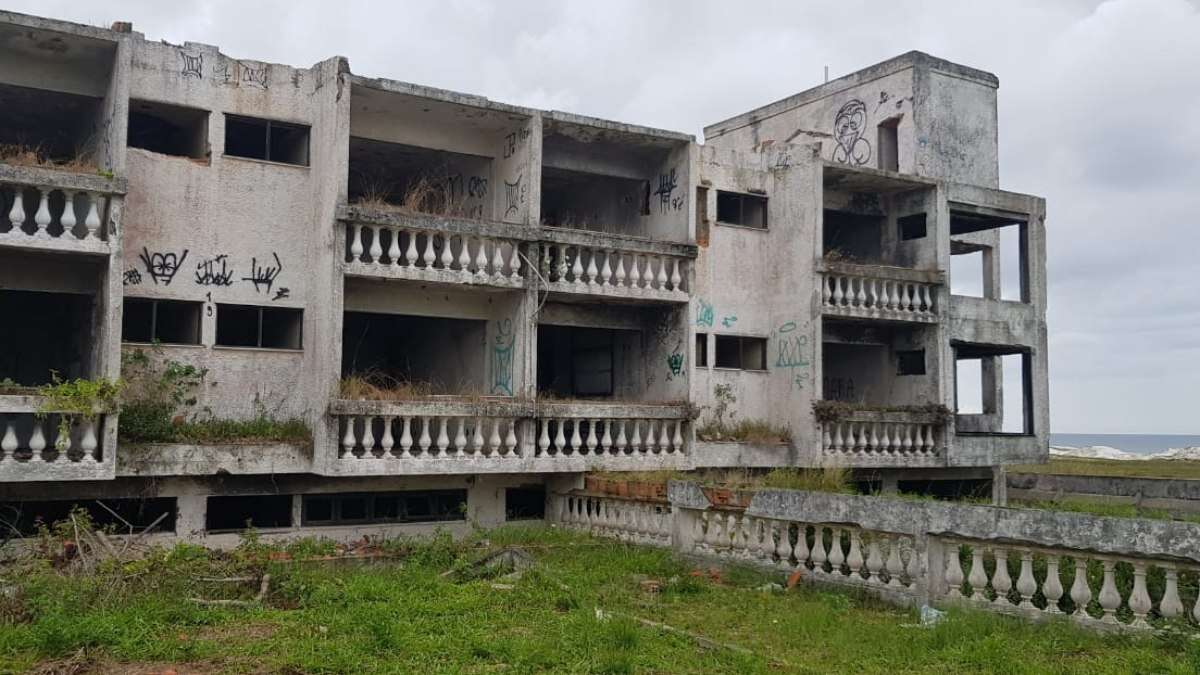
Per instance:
(745,430)
(76,399)
(829,412)
(156,398)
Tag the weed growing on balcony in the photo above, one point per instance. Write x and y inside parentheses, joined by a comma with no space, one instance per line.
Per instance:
(20,154)
(827,412)
(373,385)
(157,408)
(77,399)
(722,426)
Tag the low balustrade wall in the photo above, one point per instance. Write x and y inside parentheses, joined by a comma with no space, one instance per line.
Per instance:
(47,445)
(45,208)
(1107,573)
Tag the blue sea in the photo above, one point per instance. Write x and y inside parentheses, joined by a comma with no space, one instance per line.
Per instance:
(1139,444)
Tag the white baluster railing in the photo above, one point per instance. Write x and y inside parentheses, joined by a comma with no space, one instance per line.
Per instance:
(610,270)
(31,439)
(1093,588)
(870,436)
(51,213)
(428,252)
(565,430)
(871,294)
(639,522)
(428,436)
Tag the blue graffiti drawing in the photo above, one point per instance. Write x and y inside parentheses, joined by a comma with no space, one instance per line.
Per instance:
(675,362)
(502,359)
(704,316)
(729,321)
(791,346)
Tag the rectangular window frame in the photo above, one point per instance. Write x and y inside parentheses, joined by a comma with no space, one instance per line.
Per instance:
(259,341)
(267,125)
(372,517)
(742,198)
(154,303)
(702,350)
(743,341)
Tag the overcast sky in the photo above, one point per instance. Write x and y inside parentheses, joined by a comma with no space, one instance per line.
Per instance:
(1099,113)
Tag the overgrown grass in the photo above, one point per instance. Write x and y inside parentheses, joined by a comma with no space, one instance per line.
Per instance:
(20,154)
(401,618)
(152,424)
(1098,507)
(1149,468)
(744,431)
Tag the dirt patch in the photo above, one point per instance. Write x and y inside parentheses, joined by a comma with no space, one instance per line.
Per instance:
(251,631)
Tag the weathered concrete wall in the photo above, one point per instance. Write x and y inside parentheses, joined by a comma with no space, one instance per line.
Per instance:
(944,116)
(779,262)
(1160,493)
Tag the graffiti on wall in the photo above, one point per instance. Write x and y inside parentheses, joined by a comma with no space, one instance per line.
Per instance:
(704,313)
(791,353)
(514,196)
(162,266)
(839,389)
(214,272)
(849,129)
(675,362)
(264,276)
(667,184)
(502,359)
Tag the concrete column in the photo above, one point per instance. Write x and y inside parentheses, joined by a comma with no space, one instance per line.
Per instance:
(190,512)
(485,502)
(999,486)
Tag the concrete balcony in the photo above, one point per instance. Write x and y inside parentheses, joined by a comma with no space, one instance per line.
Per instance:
(505,436)
(45,209)
(872,438)
(387,244)
(581,262)
(879,292)
(613,436)
(34,447)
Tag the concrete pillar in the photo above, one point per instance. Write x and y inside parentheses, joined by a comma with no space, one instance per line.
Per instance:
(190,512)
(889,484)
(485,502)
(999,486)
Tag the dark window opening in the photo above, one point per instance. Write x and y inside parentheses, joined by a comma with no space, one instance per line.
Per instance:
(739,209)
(581,200)
(239,513)
(56,333)
(115,514)
(910,362)
(429,354)
(525,503)
(432,181)
(889,144)
(853,237)
(702,350)
(576,361)
(741,352)
(166,321)
(368,508)
(273,141)
(912,227)
(168,129)
(56,126)
(254,326)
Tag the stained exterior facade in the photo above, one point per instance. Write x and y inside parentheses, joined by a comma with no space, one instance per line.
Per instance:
(466,302)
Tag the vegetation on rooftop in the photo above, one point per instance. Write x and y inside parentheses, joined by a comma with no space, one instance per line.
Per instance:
(722,424)
(827,412)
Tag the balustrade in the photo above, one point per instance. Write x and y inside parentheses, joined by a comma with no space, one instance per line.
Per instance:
(564,436)
(868,296)
(834,553)
(625,519)
(51,213)
(31,439)
(871,438)
(380,436)
(414,250)
(594,269)
(1090,587)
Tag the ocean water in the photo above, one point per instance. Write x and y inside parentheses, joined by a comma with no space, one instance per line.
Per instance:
(1138,444)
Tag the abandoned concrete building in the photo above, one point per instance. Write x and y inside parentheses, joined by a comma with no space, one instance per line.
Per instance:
(547,294)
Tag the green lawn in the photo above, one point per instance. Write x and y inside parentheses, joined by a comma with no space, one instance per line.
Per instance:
(1150,468)
(406,617)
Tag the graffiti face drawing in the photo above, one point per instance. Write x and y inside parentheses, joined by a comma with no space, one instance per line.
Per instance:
(848,128)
